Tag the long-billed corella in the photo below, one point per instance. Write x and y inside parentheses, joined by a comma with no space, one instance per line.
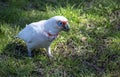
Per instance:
(41,34)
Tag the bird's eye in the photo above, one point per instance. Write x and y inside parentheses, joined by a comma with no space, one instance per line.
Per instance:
(60,23)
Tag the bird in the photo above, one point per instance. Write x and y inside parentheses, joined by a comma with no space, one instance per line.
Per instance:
(42,33)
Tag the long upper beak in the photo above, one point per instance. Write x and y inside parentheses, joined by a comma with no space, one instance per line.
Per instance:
(66,27)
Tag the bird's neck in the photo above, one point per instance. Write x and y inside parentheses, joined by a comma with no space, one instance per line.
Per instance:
(49,34)
(51,30)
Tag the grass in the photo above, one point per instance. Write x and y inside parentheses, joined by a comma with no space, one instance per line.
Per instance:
(90,49)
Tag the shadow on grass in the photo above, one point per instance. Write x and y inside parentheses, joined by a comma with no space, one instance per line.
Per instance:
(18,50)
(68,60)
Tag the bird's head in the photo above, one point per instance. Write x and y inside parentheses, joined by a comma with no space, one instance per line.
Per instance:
(61,23)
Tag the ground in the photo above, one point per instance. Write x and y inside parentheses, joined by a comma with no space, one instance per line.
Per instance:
(90,49)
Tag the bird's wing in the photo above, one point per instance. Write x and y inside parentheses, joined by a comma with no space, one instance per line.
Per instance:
(30,31)
(26,34)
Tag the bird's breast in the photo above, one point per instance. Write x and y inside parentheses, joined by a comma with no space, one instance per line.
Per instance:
(41,41)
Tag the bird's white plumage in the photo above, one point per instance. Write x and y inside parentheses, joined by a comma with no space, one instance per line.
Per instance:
(35,34)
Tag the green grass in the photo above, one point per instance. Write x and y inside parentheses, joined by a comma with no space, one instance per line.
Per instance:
(90,49)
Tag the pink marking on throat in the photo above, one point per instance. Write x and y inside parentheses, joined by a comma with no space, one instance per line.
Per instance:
(49,34)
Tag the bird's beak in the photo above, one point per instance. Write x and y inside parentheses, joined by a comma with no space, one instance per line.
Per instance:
(66,27)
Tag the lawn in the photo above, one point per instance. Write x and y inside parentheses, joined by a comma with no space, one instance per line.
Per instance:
(90,49)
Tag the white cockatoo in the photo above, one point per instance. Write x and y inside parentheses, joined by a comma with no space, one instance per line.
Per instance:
(41,34)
